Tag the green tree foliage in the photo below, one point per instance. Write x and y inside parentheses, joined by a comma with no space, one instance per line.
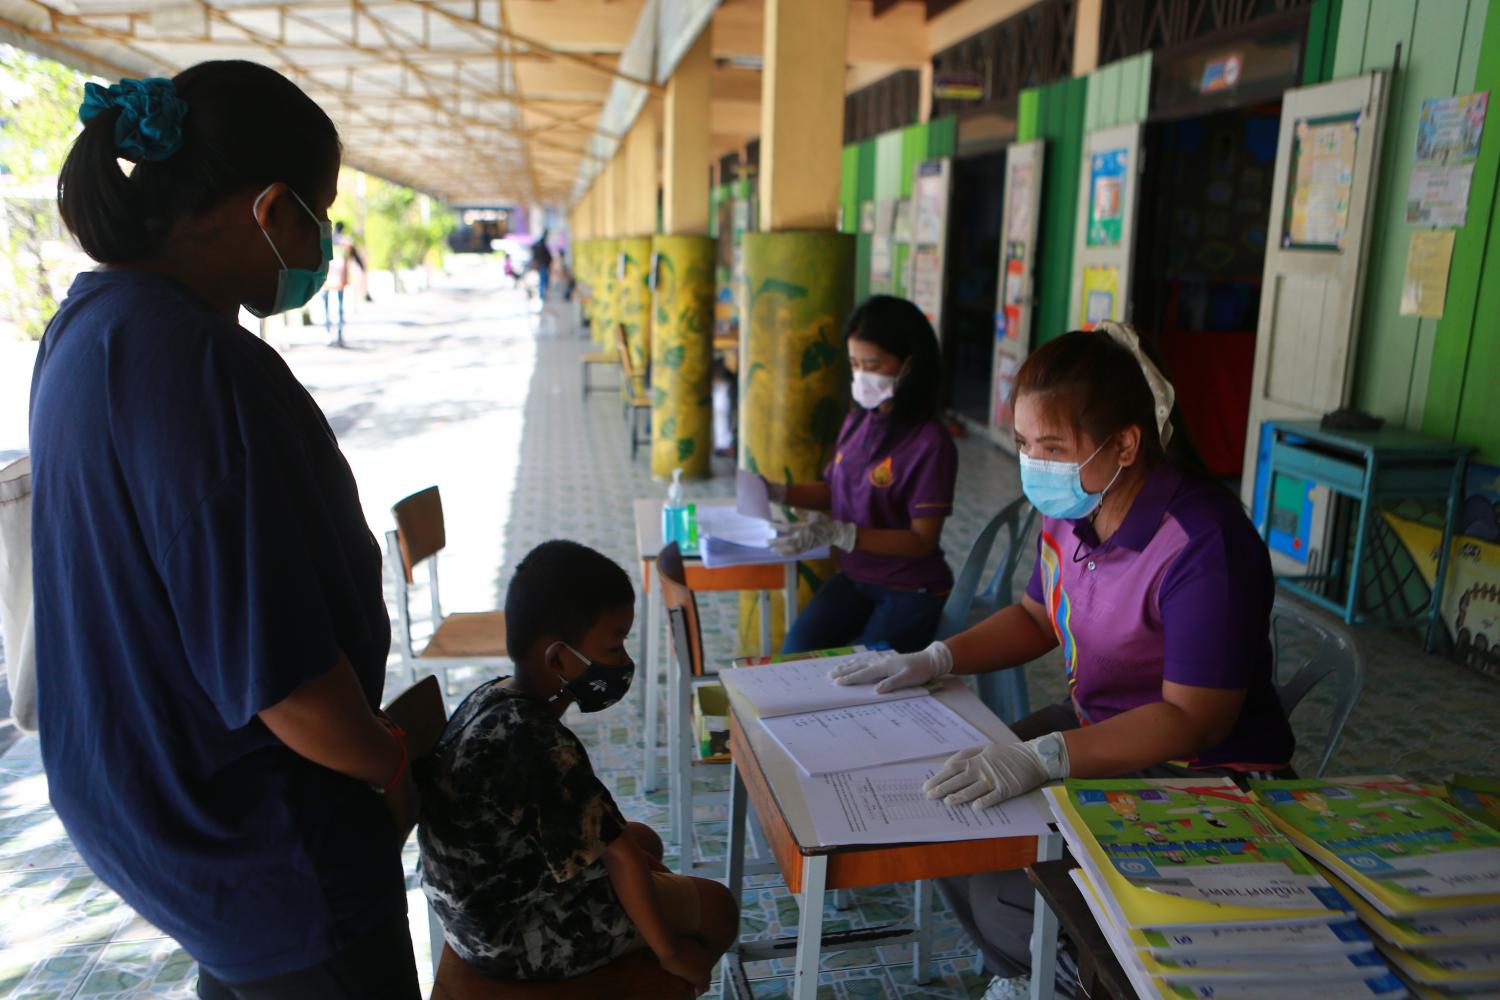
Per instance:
(38,119)
(401,226)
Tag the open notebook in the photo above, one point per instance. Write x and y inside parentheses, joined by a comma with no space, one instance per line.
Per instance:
(828,727)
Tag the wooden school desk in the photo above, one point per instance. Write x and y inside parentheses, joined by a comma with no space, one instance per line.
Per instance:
(762,577)
(765,776)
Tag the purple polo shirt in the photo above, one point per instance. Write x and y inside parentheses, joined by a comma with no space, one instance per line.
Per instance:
(884,477)
(1181,592)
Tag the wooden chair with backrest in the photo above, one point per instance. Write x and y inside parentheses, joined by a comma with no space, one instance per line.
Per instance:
(469,639)
(633,393)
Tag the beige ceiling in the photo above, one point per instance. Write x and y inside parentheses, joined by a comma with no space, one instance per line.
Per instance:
(477,101)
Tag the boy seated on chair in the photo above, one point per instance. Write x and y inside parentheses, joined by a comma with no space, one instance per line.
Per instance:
(526,859)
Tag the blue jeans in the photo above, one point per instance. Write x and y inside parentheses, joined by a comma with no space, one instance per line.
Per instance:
(543,279)
(845,613)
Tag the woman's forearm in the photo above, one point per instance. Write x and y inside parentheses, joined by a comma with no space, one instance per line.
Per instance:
(1007,638)
(895,542)
(809,496)
(1187,722)
(328,721)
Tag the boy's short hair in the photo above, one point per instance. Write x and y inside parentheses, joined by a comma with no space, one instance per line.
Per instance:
(561,588)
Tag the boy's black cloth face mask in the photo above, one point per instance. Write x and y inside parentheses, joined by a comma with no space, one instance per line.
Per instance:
(599,686)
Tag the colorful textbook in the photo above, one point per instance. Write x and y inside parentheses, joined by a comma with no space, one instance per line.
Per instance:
(1478,797)
(1189,853)
(1404,850)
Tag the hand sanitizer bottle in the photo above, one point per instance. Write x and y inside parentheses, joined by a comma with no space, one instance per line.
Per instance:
(671,513)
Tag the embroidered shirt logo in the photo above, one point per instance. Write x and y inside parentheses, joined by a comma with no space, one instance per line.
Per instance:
(881,475)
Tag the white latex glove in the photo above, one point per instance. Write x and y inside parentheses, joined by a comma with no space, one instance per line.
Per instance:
(775,492)
(814,531)
(986,776)
(894,671)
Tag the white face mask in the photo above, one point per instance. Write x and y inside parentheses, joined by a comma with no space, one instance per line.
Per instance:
(872,389)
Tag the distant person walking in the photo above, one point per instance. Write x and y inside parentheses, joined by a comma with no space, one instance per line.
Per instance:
(541,262)
(344,254)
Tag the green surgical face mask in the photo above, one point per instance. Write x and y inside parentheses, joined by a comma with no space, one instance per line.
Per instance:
(295,286)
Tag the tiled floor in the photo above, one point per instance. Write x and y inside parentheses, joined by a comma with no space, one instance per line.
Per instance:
(457,387)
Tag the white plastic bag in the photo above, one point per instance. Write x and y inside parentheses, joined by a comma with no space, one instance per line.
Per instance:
(15,591)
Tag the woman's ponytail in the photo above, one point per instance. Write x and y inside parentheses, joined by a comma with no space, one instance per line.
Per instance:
(96,199)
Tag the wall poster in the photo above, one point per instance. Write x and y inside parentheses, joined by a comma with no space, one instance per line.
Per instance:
(1101,290)
(1322,176)
(1448,135)
(1106,197)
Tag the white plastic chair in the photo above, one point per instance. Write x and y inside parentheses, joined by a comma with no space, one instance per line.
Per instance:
(1333,653)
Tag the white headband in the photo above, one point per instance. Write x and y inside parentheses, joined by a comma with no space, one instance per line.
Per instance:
(1161,390)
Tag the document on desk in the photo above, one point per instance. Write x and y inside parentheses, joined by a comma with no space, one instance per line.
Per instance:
(886,805)
(729,525)
(750,495)
(837,739)
(799,686)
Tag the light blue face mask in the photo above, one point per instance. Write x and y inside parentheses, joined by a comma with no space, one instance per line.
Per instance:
(295,286)
(1056,488)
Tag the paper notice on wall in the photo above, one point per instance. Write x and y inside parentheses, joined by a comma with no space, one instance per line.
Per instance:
(1448,134)
(1424,289)
(1101,290)
(1322,182)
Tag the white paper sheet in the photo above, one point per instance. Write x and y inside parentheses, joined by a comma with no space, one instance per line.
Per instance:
(730,525)
(716,552)
(838,739)
(804,686)
(886,805)
(750,496)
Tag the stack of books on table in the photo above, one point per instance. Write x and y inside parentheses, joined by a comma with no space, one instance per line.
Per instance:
(1423,876)
(1199,895)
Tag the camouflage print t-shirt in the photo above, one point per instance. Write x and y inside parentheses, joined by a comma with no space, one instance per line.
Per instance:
(514,828)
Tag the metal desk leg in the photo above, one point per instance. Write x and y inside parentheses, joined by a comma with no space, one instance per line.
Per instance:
(1361,528)
(674,770)
(921,947)
(791,593)
(1044,927)
(653,696)
(682,765)
(644,663)
(739,805)
(810,927)
(765,624)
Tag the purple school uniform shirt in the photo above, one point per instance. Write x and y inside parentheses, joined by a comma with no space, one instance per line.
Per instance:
(1181,592)
(885,477)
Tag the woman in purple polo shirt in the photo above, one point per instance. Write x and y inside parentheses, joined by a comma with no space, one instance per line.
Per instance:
(889,488)
(1157,590)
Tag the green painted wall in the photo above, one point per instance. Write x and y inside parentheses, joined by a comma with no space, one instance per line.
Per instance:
(1440,47)
(1055,113)
(1117,94)
(1462,402)
(1322,40)
(881,168)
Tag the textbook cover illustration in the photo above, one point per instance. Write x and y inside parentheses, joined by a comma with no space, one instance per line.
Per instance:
(1478,797)
(1392,841)
(1198,840)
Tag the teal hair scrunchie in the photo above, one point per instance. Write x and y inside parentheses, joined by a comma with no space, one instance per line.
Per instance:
(149,128)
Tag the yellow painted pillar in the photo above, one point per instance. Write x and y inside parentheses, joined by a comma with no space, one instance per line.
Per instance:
(639,225)
(683,287)
(799,270)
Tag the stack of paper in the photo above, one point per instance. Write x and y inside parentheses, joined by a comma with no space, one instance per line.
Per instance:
(864,757)
(1199,895)
(1423,876)
(826,727)
(742,534)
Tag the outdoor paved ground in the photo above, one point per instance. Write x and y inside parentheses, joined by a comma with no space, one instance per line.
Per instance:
(467,387)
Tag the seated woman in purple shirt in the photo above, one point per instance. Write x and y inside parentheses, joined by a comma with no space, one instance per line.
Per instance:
(888,489)
(1153,584)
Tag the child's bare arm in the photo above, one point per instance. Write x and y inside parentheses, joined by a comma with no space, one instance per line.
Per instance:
(630,873)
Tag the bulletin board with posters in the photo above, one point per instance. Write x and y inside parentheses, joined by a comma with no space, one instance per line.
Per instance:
(1321,181)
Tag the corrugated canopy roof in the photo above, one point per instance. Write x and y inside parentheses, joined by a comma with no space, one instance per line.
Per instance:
(476,101)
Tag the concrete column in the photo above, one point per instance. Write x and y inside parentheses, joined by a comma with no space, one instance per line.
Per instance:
(1086,26)
(802,114)
(794,373)
(682,296)
(641,174)
(687,125)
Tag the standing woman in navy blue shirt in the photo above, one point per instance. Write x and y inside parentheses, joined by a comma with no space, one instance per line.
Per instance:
(211,633)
